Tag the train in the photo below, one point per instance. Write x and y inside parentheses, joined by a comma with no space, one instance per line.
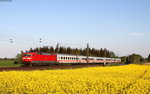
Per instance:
(34,58)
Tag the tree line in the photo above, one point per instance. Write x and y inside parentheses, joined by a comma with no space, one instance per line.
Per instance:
(102,52)
(135,59)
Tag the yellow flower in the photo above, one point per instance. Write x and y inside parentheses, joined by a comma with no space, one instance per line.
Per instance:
(129,79)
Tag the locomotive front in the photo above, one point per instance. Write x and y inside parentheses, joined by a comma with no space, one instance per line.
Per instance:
(27,58)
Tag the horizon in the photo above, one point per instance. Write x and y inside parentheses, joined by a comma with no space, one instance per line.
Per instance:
(119,26)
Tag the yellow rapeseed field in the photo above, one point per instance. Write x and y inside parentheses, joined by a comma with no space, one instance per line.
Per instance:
(128,79)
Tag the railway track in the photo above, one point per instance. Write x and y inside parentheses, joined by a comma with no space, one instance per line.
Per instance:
(25,68)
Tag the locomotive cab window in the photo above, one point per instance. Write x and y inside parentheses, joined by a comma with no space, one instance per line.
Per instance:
(27,55)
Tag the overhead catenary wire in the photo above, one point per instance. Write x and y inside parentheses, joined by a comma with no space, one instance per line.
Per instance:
(17,34)
(23,38)
(18,38)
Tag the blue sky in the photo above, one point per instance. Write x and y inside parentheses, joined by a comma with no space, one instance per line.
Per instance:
(122,26)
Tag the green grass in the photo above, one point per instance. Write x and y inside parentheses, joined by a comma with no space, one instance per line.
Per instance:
(8,63)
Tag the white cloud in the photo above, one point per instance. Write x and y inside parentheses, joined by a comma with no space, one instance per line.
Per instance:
(137,34)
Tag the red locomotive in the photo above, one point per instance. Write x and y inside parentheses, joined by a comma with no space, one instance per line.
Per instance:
(33,58)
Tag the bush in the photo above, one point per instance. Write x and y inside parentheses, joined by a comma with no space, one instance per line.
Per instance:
(15,62)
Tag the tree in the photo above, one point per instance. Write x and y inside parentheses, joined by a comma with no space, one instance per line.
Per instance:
(101,52)
(18,58)
(112,55)
(31,50)
(37,49)
(68,50)
(62,50)
(52,50)
(123,59)
(135,58)
(92,51)
(105,52)
(77,52)
(149,58)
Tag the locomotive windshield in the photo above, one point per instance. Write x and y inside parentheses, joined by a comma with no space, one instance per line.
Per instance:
(27,55)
